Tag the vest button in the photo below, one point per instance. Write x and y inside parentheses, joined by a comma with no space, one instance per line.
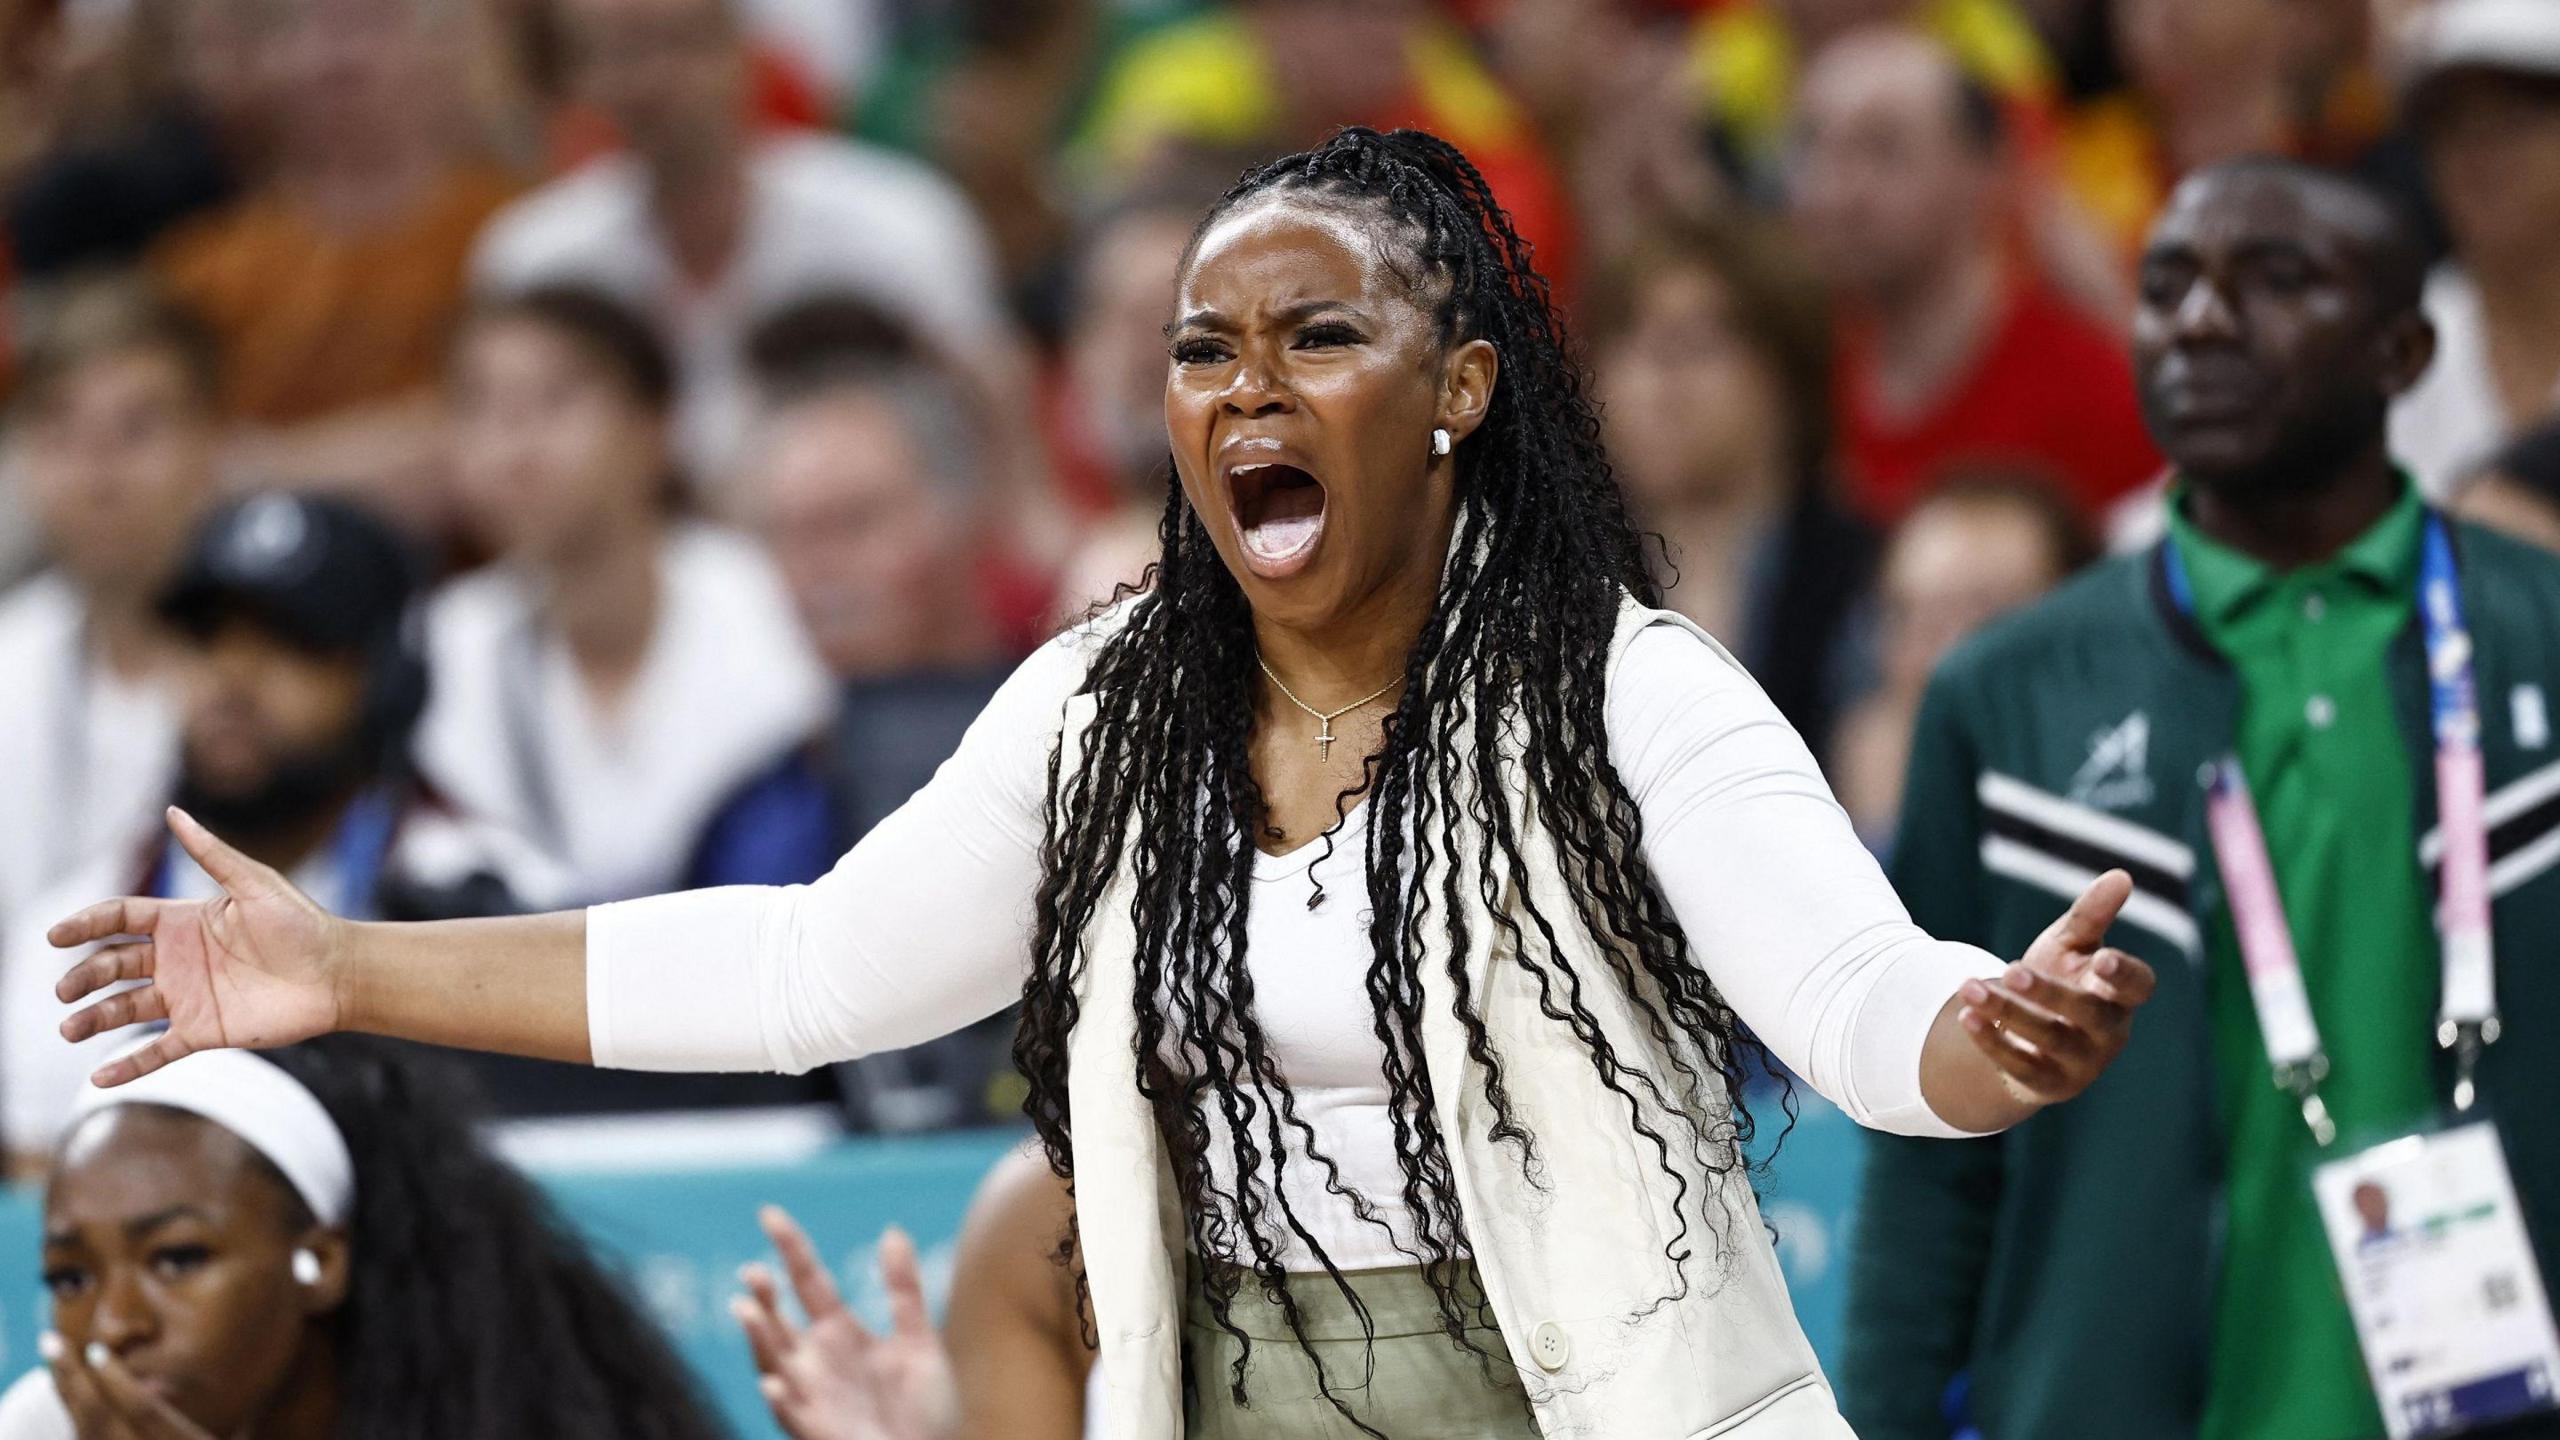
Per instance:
(1549,1347)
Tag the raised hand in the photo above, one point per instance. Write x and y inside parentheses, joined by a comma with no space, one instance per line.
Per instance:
(255,966)
(2063,1012)
(833,1379)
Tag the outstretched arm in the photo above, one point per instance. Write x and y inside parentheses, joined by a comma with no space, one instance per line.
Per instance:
(919,930)
(2003,1049)
(261,965)
(1804,937)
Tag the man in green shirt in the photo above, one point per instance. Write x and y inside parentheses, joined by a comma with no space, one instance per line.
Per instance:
(2151,1266)
(2322,750)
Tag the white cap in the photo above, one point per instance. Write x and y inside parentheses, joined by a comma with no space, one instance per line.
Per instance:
(2520,36)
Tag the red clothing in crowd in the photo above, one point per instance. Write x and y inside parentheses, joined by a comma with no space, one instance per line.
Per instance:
(2051,394)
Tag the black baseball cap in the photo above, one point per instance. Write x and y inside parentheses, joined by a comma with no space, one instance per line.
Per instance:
(319,572)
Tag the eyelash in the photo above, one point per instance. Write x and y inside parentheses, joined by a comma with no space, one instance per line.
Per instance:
(1201,351)
(59,1279)
(181,1258)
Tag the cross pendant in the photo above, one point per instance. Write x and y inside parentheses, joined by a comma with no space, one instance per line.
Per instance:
(1324,738)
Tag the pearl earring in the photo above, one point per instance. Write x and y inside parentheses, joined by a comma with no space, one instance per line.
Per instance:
(306,1268)
(1439,441)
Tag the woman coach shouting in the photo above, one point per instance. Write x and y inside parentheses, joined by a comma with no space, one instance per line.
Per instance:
(1387,889)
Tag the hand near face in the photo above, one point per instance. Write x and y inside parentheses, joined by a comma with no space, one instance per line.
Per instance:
(833,1379)
(2062,1013)
(253,967)
(106,1401)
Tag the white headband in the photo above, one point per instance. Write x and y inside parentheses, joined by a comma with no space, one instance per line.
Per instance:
(253,1098)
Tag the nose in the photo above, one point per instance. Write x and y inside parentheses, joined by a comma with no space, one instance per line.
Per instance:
(2205,313)
(1255,390)
(123,1318)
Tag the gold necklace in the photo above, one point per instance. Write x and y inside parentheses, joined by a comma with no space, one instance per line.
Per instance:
(1324,722)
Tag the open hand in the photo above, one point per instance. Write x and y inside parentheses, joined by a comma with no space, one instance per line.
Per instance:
(253,967)
(833,1379)
(2061,1014)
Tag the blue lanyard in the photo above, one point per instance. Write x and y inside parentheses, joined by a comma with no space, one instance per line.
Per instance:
(2467,1014)
(2453,697)
(359,851)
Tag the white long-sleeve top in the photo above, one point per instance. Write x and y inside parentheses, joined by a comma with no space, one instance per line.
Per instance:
(925,926)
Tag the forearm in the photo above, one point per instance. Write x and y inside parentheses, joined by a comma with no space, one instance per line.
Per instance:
(1962,1085)
(516,985)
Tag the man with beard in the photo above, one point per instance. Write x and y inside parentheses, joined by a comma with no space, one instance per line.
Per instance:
(299,682)
(2259,720)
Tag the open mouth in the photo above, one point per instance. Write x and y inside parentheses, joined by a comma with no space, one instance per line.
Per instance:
(1279,512)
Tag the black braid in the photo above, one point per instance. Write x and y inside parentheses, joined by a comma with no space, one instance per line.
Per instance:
(1520,637)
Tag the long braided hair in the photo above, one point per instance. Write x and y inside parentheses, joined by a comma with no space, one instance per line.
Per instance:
(1503,696)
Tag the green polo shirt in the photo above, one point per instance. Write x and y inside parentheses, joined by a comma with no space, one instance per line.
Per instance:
(2322,749)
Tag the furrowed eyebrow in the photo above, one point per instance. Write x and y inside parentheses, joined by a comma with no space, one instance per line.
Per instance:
(1299,313)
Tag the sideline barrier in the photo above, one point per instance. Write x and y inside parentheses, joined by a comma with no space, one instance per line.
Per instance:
(681,1234)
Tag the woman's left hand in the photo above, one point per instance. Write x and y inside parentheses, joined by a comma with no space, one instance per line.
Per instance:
(833,1379)
(2063,1012)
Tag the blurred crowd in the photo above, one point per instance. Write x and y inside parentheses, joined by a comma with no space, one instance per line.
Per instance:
(485,454)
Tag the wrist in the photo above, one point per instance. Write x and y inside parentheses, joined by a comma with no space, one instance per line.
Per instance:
(350,946)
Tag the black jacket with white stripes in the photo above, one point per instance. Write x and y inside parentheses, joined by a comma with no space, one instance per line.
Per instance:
(2067,1268)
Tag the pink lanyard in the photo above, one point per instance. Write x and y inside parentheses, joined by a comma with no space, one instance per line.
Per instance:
(2467,1012)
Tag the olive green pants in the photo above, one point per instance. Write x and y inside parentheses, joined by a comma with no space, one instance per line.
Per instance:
(1414,1383)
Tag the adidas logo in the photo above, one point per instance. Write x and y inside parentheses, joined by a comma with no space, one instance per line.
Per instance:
(2117,774)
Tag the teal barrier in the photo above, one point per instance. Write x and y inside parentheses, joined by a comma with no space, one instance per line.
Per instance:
(681,1235)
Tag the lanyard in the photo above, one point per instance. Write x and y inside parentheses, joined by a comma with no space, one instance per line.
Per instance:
(2467,1010)
(358,852)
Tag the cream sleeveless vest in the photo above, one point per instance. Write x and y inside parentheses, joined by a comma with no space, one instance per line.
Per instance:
(1573,1262)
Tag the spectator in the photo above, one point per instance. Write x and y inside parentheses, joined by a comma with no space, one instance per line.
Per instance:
(334,281)
(2518,494)
(621,670)
(2280,316)
(300,682)
(1747,60)
(2213,80)
(869,490)
(1950,352)
(1714,369)
(1976,549)
(2486,107)
(869,487)
(1949,349)
(125,146)
(117,427)
(2204,83)
(314,1241)
(706,226)
(1105,401)
(1272,75)
(991,91)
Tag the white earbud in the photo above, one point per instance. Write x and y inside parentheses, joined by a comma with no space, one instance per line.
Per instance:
(306,1267)
(1439,441)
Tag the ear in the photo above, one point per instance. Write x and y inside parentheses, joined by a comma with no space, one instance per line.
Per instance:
(1466,387)
(2408,346)
(337,1257)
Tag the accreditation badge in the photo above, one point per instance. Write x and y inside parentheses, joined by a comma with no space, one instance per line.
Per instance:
(2448,1302)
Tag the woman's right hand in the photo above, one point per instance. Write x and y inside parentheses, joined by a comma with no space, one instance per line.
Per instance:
(259,965)
(105,1400)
